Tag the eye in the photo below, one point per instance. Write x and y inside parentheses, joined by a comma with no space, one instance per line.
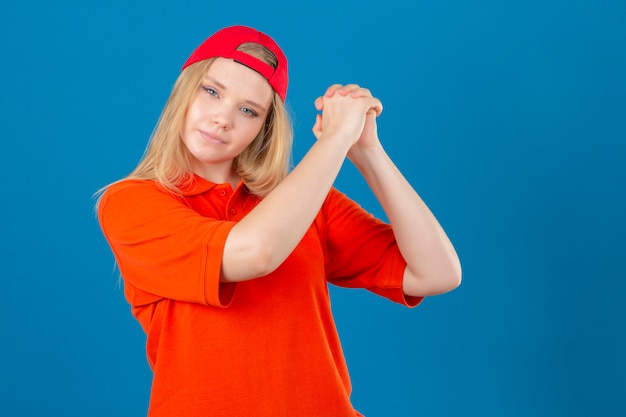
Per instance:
(210,91)
(248,111)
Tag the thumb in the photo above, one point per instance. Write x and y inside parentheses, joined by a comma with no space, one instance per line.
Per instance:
(317,127)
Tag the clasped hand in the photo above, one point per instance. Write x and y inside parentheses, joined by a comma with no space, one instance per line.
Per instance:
(349,114)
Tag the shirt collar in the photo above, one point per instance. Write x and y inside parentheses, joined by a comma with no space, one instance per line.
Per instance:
(198,185)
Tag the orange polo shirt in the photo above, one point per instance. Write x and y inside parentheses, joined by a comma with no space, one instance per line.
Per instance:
(267,347)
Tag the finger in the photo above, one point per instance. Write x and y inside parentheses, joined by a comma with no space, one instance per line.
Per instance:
(319,103)
(317,126)
(361,92)
(373,104)
(330,91)
(377,107)
(347,89)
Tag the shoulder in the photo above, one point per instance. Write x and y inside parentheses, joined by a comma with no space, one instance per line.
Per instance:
(133,186)
(338,201)
(336,197)
(132,197)
(141,191)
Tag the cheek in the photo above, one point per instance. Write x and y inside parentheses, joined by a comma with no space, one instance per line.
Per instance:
(191,121)
(185,129)
(253,132)
(257,126)
(194,112)
(191,116)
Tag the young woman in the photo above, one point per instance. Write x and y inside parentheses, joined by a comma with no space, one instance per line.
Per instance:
(226,253)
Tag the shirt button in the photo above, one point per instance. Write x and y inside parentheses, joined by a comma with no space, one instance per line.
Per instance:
(232,211)
(222,193)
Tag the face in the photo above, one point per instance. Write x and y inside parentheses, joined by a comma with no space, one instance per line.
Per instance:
(225,116)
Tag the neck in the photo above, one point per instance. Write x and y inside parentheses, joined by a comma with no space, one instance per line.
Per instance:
(218,175)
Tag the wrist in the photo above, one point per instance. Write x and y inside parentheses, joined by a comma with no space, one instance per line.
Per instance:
(339,141)
(367,157)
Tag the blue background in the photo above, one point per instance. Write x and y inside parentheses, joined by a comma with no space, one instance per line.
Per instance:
(508,117)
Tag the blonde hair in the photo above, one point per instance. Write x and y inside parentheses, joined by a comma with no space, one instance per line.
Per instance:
(262,165)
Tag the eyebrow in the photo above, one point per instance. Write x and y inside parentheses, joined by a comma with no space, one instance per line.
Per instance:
(223,87)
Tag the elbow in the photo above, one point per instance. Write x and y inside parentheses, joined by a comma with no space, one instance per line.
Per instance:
(453,278)
(433,283)
(456,276)
(263,261)
(445,283)
(246,258)
(248,261)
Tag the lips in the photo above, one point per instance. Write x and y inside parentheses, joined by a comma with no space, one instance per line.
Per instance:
(211,137)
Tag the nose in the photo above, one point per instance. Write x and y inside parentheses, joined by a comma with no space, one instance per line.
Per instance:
(222,116)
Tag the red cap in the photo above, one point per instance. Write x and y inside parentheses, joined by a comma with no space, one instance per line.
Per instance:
(224,43)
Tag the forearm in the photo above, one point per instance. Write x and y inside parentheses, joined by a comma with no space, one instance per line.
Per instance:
(263,239)
(432,263)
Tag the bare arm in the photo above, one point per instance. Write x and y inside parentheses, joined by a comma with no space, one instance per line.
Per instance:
(433,266)
(432,263)
(263,239)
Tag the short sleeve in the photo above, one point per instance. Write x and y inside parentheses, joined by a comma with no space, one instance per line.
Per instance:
(361,250)
(162,246)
